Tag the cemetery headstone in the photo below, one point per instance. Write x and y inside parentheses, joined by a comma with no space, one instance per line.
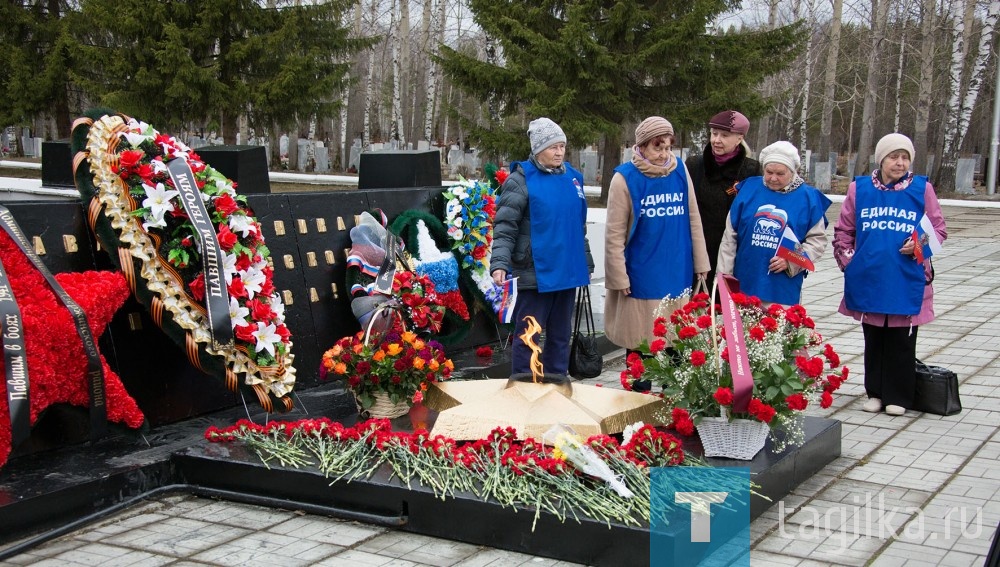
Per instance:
(423,145)
(821,177)
(965,171)
(588,165)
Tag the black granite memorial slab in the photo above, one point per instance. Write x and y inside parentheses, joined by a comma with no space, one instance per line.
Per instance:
(399,169)
(57,164)
(246,165)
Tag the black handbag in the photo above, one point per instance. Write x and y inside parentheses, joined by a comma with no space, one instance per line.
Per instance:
(585,361)
(937,390)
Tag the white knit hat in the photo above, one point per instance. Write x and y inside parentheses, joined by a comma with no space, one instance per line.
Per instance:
(542,133)
(780,152)
(890,143)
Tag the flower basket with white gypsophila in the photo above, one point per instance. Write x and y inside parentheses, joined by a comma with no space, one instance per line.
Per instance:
(787,357)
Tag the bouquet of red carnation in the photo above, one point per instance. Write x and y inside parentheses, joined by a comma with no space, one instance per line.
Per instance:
(792,368)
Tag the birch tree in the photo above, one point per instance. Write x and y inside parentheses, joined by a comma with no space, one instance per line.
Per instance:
(945,178)
(978,74)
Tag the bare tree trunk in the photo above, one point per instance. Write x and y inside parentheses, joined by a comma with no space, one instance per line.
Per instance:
(925,86)
(830,81)
(806,85)
(880,9)
(978,73)
(405,84)
(369,86)
(763,133)
(945,178)
(899,83)
(430,102)
(396,127)
(612,156)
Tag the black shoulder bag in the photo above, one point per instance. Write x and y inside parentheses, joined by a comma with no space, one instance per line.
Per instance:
(585,361)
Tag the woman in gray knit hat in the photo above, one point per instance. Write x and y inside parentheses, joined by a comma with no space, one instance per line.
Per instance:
(539,237)
(654,244)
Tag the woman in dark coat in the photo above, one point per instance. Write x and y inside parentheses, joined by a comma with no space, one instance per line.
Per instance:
(715,173)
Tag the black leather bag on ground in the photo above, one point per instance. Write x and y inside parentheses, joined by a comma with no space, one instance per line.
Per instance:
(937,390)
(585,361)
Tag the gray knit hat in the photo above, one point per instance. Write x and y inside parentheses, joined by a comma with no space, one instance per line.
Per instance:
(543,133)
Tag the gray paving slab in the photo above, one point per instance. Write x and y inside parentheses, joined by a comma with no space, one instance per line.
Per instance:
(912,490)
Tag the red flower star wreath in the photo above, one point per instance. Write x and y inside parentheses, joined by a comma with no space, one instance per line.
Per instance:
(57,365)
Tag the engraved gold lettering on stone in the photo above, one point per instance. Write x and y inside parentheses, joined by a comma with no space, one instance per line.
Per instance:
(340,224)
(328,254)
(289,262)
(279,228)
(301,223)
(336,291)
(69,244)
(313,295)
(320,225)
(311,259)
(39,246)
(286,297)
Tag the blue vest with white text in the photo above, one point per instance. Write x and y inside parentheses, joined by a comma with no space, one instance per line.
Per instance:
(658,258)
(558,214)
(878,278)
(759,217)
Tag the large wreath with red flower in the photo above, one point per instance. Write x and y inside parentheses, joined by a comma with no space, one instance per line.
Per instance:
(134,208)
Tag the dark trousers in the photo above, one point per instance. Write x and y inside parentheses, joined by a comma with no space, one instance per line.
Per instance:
(554,312)
(890,373)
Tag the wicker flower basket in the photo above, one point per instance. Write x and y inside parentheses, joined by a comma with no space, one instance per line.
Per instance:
(383,407)
(737,439)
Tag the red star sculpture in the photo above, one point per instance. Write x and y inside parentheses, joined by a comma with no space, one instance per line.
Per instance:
(56,360)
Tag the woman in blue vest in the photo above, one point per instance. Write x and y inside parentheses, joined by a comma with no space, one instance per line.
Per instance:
(763,209)
(885,288)
(539,237)
(654,243)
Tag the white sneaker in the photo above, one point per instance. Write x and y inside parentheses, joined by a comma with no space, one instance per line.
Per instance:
(895,410)
(873,405)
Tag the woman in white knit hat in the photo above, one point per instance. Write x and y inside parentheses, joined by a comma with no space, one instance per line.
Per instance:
(539,237)
(887,281)
(653,224)
(777,208)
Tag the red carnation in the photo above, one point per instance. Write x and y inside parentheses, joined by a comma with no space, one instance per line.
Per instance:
(769,323)
(826,400)
(704,321)
(796,402)
(657,345)
(757,334)
(724,396)
(697,358)
(484,351)
(761,411)
(831,356)
(660,327)
(687,332)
